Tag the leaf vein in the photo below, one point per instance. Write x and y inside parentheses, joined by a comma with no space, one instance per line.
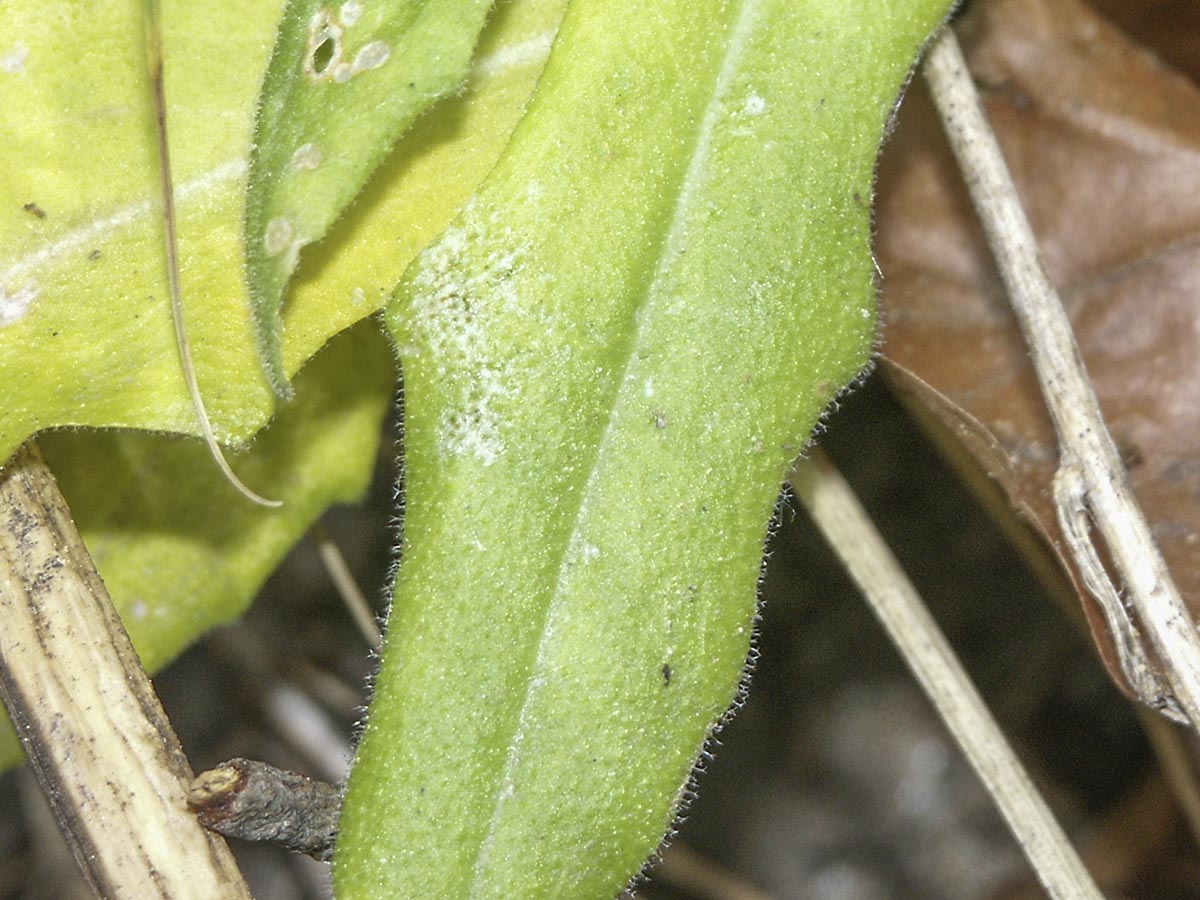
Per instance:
(675,227)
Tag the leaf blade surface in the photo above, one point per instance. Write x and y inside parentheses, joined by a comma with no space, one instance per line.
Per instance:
(610,360)
(177,556)
(343,84)
(85,326)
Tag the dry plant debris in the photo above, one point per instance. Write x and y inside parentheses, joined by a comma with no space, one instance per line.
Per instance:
(91,725)
(255,801)
(1104,144)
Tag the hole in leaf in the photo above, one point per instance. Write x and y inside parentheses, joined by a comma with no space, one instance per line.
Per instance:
(322,55)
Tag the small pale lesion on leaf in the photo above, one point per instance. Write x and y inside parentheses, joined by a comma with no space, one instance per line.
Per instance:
(323,56)
(324,45)
(15,304)
(278,236)
(307,157)
(371,56)
(350,12)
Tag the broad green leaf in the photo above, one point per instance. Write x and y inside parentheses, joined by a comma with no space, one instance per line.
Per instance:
(85,325)
(610,360)
(177,553)
(343,84)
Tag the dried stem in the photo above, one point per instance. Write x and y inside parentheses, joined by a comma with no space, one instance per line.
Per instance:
(1091,486)
(254,801)
(347,588)
(154,64)
(849,530)
(92,728)
(682,867)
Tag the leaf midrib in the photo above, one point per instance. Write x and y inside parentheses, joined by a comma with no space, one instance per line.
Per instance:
(693,175)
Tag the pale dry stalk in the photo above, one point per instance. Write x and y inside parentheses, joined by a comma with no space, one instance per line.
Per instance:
(1091,486)
(684,868)
(347,587)
(846,525)
(88,719)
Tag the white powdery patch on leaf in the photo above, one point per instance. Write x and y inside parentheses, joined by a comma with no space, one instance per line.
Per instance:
(307,157)
(15,304)
(13,62)
(450,320)
(350,12)
(754,105)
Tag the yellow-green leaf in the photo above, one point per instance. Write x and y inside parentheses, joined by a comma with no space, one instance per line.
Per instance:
(344,82)
(177,553)
(85,324)
(85,330)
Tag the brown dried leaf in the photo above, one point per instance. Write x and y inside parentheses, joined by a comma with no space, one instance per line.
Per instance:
(1104,145)
(1171,27)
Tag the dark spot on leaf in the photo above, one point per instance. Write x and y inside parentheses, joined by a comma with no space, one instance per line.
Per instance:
(94,255)
(34,210)
(666,674)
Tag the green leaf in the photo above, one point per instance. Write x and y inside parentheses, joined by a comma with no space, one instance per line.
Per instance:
(85,324)
(85,333)
(343,84)
(177,554)
(611,359)
(424,182)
